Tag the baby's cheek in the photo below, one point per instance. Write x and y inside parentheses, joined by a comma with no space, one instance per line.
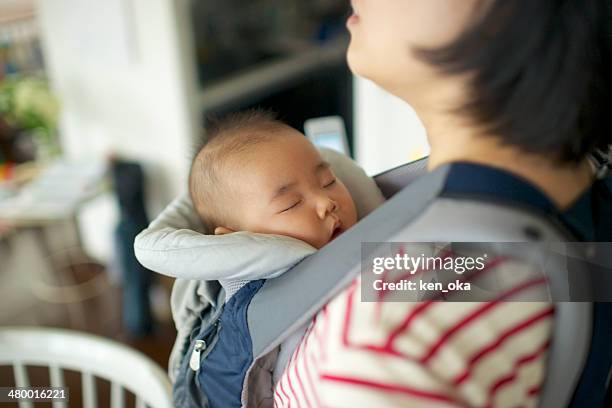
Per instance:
(308,231)
(317,237)
(348,206)
(351,213)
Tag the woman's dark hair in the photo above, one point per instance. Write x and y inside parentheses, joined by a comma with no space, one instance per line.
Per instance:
(542,74)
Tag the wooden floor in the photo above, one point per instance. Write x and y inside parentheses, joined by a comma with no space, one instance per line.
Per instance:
(100,315)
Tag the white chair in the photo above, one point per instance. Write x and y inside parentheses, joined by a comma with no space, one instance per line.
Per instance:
(90,355)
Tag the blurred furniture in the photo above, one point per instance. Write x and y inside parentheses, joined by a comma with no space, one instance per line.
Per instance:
(92,356)
(55,192)
(45,210)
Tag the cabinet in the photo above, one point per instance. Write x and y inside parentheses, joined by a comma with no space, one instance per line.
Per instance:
(288,56)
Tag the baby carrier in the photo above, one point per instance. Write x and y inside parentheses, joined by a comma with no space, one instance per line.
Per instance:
(262,314)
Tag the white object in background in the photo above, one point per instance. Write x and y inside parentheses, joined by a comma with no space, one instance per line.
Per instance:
(152,76)
(97,31)
(387,131)
(145,109)
(328,131)
(59,349)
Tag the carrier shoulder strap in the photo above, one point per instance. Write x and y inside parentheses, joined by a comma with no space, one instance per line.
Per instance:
(417,213)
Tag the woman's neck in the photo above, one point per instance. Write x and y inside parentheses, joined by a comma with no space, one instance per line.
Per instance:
(452,141)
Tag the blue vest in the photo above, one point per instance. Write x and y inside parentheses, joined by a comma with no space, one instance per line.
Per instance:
(221,347)
(222,372)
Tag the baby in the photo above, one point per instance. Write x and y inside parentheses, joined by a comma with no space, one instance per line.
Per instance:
(268,199)
(257,174)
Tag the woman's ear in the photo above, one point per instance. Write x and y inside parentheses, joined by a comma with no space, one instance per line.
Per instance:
(223,231)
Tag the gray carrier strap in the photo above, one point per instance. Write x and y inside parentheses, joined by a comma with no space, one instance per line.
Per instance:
(285,303)
(392,181)
(568,353)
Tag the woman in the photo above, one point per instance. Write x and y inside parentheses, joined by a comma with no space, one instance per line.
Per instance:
(514,96)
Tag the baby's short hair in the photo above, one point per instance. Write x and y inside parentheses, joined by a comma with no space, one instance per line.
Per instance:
(224,137)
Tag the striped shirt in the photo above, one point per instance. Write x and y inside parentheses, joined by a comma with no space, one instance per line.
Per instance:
(428,354)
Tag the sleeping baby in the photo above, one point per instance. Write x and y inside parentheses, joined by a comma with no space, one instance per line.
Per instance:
(266,198)
(257,174)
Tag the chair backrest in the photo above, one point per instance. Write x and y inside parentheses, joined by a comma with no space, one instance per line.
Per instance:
(92,356)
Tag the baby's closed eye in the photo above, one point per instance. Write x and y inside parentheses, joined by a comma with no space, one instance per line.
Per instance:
(330,183)
(295,204)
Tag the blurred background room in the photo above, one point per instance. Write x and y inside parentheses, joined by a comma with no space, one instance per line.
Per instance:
(100,105)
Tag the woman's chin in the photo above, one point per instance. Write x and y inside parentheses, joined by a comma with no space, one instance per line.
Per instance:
(354,62)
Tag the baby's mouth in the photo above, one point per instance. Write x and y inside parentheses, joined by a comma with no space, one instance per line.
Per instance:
(336,231)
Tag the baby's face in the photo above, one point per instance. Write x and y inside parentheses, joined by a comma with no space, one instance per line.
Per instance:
(283,186)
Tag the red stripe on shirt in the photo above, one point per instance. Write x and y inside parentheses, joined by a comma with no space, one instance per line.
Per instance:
(509,378)
(525,324)
(347,313)
(535,390)
(279,400)
(413,392)
(300,384)
(482,310)
(405,325)
(325,334)
(309,376)
(289,382)
(387,347)
(282,389)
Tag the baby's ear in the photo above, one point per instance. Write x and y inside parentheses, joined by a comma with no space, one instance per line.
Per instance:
(223,231)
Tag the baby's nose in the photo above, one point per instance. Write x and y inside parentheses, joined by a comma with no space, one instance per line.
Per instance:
(327,206)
